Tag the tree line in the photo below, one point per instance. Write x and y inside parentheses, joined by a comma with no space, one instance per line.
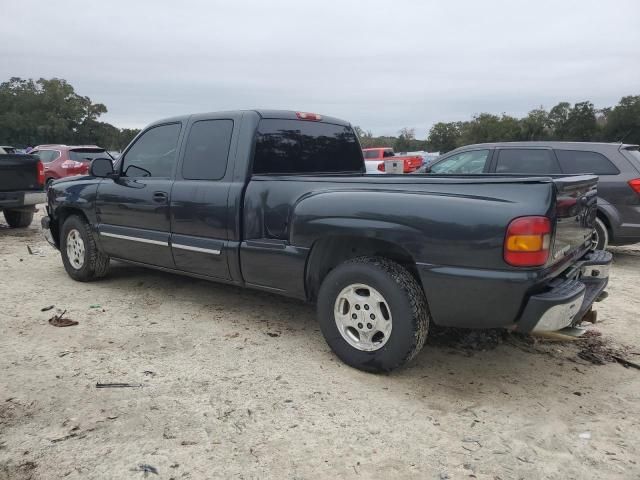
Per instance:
(580,122)
(35,112)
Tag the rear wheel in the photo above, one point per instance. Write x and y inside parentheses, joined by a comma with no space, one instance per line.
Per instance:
(373,314)
(18,218)
(600,240)
(81,258)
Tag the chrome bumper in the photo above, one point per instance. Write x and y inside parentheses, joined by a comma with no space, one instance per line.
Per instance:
(569,298)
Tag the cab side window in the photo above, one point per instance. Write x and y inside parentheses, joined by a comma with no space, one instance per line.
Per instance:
(154,153)
(526,160)
(205,157)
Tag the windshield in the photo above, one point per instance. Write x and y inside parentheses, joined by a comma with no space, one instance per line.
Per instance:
(87,154)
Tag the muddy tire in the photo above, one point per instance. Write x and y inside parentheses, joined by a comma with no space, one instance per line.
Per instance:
(373,314)
(80,255)
(18,218)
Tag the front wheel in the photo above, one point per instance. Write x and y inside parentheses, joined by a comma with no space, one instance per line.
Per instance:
(373,314)
(18,218)
(80,255)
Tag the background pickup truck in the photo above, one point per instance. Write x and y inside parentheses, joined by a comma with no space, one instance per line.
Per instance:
(278,201)
(21,188)
(375,158)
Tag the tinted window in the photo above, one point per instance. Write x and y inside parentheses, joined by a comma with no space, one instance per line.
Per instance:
(526,160)
(371,154)
(463,163)
(296,146)
(87,154)
(205,157)
(388,153)
(575,161)
(154,153)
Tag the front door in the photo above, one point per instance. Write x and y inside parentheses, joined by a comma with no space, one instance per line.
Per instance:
(133,209)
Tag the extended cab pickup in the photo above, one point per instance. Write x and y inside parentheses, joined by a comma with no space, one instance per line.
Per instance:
(21,188)
(279,201)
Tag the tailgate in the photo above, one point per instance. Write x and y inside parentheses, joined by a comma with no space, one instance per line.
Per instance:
(576,210)
(19,172)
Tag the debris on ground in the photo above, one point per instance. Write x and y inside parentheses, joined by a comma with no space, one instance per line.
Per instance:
(273,334)
(599,351)
(143,467)
(149,373)
(585,435)
(46,309)
(60,321)
(95,305)
(35,251)
(118,385)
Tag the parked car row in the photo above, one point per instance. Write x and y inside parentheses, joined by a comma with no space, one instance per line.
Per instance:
(67,160)
(375,158)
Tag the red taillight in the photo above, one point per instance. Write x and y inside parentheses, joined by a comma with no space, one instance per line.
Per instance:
(381,166)
(635,185)
(40,173)
(309,116)
(527,241)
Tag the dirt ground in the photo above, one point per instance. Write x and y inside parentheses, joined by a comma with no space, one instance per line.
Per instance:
(240,384)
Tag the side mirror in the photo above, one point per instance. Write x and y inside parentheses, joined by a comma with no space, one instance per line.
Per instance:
(101,168)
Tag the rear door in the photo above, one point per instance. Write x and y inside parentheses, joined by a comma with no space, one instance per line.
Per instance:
(133,209)
(200,216)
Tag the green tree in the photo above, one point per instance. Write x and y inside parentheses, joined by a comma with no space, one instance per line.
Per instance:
(581,123)
(535,126)
(559,120)
(444,137)
(50,111)
(623,121)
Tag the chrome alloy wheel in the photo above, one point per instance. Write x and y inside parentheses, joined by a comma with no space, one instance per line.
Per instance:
(363,317)
(75,249)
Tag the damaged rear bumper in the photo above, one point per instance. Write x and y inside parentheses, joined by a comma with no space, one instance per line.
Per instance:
(568,298)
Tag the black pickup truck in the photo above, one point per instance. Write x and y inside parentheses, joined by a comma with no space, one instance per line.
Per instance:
(279,201)
(21,188)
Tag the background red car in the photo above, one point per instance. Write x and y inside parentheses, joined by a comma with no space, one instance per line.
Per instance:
(67,160)
(374,159)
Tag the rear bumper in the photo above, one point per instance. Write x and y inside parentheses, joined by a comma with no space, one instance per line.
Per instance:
(17,200)
(569,298)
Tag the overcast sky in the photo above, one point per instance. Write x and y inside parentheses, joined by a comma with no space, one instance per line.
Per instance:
(381,64)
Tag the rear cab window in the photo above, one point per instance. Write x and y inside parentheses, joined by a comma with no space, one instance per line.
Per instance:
(305,147)
(578,161)
(527,160)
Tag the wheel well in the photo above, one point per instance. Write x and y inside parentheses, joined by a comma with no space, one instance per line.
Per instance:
(328,253)
(62,214)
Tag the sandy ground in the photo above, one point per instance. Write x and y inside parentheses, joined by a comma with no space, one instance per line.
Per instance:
(240,384)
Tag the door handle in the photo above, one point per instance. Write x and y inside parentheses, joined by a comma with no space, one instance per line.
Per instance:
(160,197)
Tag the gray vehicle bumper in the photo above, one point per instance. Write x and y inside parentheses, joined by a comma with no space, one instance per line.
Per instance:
(21,200)
(569,298)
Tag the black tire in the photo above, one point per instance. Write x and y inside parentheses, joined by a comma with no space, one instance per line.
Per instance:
(95,264)
(407,305)
(18,218)
(601,235)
